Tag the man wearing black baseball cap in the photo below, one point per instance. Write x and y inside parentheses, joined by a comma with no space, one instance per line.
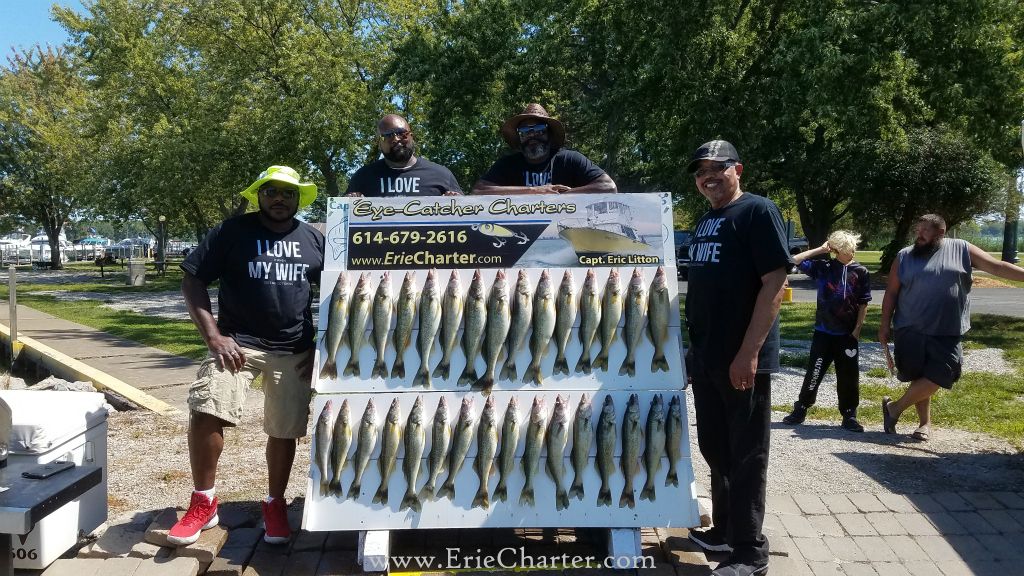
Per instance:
(738,264)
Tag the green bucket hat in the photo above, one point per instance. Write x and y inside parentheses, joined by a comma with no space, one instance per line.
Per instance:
(307,190)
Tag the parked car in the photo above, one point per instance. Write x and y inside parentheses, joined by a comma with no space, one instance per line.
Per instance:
(683,238)
(798,244)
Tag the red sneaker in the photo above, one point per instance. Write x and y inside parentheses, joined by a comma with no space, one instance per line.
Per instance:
(202,514)
(275,522)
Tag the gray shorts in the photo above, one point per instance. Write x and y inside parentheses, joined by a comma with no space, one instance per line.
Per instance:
(937,358)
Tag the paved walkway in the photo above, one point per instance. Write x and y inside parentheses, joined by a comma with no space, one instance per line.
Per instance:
(165,376)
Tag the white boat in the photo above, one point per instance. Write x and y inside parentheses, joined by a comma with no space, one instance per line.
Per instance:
(38,249)
(607,229)
(11,244)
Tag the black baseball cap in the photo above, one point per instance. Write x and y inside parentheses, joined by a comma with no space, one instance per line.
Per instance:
(717,150)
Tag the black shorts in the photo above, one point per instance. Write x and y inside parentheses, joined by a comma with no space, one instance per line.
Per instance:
(937,358)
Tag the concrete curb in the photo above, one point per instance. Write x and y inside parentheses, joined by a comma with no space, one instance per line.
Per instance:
(66,367)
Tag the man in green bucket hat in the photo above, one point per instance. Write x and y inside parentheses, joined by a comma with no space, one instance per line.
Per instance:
(266,262)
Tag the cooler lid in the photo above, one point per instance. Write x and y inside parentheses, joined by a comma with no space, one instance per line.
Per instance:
(42,420)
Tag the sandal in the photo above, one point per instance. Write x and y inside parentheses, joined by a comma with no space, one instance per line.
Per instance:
(921,434)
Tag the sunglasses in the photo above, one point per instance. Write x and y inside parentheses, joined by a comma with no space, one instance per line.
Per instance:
(536,128)
(270,193)
(399,133)
(716,168)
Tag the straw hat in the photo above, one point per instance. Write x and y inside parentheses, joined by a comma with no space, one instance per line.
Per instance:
(556,132)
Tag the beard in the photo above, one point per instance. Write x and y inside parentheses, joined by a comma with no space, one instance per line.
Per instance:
(920,250)
(399,153)
(275,216)
(536,150)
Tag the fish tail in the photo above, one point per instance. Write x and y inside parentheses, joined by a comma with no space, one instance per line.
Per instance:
(659,363)
(422,377)
(482,499)
(648,492)
(352,368)
(379,369)
(427,492)
(484,384)
(601,362)
(447,490)
(381,495)
(583,364)
(468,375)
(410,501)
(330,369)
(334,488)
(561,499)
(398,368)
(627,498)
(354,490)
(576,490)
(604,496)
(526,497)
(672,479)
(561,365)
(628,367)
(443,369)
(532,375)
(501,492)
(324,488)
(508,371)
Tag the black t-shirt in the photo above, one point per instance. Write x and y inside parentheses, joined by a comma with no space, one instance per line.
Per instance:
(732,248)
(424,178)
(566,167)
(265,294)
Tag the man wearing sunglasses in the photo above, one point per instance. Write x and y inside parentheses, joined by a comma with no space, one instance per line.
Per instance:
(540,164)
(738,265)
(266,262)
(400,172)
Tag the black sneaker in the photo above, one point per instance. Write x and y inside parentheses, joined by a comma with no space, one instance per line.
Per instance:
(740,569)
(797,416)
(710,539)
(850,423)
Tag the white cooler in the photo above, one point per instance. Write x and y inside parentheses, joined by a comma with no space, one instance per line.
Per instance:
(48,426)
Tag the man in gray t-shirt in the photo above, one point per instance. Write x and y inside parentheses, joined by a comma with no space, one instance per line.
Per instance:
(927,290)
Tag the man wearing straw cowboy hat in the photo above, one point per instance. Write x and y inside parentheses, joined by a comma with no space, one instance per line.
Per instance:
(265,262)
(540,165)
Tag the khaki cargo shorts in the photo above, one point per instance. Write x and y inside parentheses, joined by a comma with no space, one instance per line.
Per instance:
(287,392)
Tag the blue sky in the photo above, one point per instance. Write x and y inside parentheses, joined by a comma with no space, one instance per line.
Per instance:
(24,23)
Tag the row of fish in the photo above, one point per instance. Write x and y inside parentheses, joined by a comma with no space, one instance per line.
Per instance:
(496,321)
(496,440)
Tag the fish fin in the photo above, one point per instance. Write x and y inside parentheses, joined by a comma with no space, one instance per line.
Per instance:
(354,490)
(532,375)
(427,492)
(526,497)
(576,490)
(604,496)
(628,367)
(501,492)
(443,370)
(468,376)
(379,369)
(659,363)
(583,364)
(422,377)
(484,384)
(508,371)
(352,368)
(561,365)
(398,368)
(482,499)
(330,369)
(324,488)
(561,500)
(410,501)
(334,488)
(382,494)
(601,362)
(648,493)
(672,479)
(627,499)
(447,490)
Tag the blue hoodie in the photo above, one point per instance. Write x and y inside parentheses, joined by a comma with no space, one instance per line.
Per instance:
(842,289)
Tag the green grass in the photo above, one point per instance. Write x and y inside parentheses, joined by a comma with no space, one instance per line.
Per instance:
(980,402)
(174,336)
